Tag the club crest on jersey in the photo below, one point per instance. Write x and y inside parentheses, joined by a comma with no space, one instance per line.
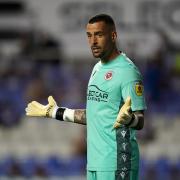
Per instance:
(139,88)
(108,75)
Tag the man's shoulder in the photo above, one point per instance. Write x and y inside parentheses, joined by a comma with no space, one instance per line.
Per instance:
(98,63)
(128,69)
(125,61)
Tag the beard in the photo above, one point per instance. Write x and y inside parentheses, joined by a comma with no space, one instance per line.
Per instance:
(103,55)
(97,55)
(97,51)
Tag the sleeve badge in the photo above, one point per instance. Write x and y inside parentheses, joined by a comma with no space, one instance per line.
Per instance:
(139,88)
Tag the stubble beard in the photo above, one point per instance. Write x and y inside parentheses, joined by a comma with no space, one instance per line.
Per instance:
(98,55)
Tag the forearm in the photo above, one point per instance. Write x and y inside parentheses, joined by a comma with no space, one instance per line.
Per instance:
(71,115)
(51,110)
(80,116)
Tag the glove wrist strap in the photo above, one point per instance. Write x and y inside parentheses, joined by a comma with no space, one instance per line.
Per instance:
(59,114)
(65,114)
(68,115)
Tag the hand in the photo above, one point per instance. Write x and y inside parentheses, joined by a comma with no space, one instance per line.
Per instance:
(36,109)
(125,114)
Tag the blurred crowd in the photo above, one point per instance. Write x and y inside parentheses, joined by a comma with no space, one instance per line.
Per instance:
(54,166)
(35,72)
(34,166)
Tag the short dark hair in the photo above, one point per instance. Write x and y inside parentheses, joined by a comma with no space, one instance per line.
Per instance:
(102,17)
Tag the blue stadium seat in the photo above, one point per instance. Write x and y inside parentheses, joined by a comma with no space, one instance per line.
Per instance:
(163,169)
(28,166)
(76,165)
(9,166)
(143,168)
(54,166)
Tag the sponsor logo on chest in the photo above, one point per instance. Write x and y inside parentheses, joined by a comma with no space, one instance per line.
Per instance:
(96,94)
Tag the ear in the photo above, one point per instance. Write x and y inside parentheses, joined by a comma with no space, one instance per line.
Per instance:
(114,36)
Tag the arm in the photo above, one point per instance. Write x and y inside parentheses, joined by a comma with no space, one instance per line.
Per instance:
(51,110)
(132,119)
(71,115)
(80,116)
(137,121)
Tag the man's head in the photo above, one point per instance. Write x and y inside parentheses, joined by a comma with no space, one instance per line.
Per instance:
(102,36)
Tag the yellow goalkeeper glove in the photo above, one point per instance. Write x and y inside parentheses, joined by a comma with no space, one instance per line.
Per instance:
(125,114)
(36,109)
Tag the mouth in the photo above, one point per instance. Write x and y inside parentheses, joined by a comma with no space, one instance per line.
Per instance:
(95,49)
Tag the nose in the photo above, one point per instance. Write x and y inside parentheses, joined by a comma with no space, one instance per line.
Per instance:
(94,40)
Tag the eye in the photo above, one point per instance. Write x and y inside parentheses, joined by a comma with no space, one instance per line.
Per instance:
(88,35)
(100,35)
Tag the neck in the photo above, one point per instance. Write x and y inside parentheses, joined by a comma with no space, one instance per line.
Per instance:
(112,55)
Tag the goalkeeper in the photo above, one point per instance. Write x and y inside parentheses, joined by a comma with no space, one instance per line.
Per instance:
(114,110)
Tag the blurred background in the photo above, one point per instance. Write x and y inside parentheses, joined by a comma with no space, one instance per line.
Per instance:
(44,51)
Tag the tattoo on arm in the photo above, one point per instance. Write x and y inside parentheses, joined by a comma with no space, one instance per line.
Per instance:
(80,116)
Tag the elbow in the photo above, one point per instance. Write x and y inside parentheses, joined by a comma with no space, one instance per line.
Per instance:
(140,124)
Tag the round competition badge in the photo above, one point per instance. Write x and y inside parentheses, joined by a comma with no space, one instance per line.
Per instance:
(108,75)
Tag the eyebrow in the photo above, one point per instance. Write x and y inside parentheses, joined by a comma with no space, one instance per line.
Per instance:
(98,32)
(95,33)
